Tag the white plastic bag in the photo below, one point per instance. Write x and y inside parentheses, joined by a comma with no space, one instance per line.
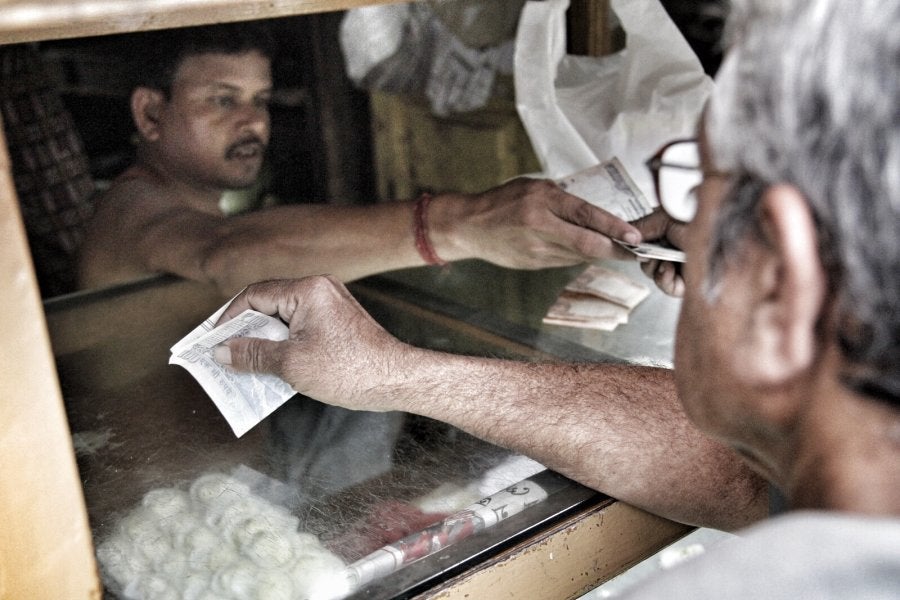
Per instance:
(579,111)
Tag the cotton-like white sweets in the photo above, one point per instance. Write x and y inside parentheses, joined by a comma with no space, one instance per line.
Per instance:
(173,567)
(216,488)
(275,585)
(265,546)
(155,546)
(218,541)
(199,544)
(180,526)
(246,580)
(280,518)
(221,557)
(152,586)
(166,502)
(237,580)
(138,524)
(119,560)
(268,550)
(195,587)
(225,516)
(250,526)
(222,515)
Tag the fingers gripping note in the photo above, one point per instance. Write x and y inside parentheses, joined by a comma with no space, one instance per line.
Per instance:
(331,340)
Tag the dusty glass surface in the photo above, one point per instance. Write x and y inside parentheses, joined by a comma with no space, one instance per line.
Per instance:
(493,295)
(149,443)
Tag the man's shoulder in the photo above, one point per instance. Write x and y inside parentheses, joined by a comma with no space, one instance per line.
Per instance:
(137,196)
(135,183)
(798,555)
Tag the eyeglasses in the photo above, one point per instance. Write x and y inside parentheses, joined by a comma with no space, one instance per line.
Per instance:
(676,175)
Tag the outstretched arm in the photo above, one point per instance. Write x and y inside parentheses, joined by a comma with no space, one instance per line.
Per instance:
(618,429)
(525,224)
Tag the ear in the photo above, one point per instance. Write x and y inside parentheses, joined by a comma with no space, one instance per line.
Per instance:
(786,289)
(146,106)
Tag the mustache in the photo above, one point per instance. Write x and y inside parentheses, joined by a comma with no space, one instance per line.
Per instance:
(248,142)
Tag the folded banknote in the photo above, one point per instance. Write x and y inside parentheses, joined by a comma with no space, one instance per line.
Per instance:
(244,399)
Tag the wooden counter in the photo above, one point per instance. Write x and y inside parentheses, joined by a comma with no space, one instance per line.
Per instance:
(34,20)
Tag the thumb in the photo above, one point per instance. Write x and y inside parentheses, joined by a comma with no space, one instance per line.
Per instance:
(582,213)
(654,225)
(254,355)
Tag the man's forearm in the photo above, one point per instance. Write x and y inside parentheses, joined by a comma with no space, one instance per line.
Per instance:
(618,429)
(294,241)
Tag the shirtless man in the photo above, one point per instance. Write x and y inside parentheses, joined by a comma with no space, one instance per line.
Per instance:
(203,125)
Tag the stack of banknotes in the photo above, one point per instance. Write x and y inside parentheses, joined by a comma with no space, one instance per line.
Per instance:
(602,298)
(599,298)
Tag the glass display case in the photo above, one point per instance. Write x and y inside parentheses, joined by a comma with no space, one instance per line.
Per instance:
(513,303)
(394,501)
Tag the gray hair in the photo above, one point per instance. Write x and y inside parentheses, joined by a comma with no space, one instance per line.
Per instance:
(809,94)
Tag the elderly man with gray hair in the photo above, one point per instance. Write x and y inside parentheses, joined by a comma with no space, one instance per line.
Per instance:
(788,345)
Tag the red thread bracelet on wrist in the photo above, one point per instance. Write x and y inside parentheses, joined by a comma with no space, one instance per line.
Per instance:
(420,225)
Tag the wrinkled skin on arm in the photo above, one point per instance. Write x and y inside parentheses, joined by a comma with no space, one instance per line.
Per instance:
(616,428)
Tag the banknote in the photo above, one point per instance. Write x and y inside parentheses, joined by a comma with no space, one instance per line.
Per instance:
(609,186)
(609,284)
(653,251)
(589,312)
(244,399)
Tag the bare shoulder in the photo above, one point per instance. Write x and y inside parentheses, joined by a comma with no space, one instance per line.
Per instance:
(118,241)
(132,201)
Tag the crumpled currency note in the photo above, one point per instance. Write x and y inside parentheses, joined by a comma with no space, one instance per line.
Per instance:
(244,399)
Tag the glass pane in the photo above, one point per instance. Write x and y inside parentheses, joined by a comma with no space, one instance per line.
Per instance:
(179,507)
